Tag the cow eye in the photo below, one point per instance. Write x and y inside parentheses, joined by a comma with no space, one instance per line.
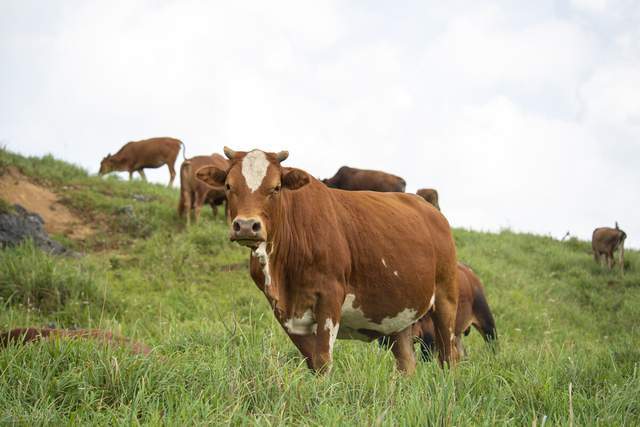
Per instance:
(276,189)
(228,187)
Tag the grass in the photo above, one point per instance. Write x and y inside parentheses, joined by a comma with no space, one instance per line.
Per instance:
(220,358)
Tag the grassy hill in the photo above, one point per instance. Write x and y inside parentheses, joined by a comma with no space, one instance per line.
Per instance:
(220,357)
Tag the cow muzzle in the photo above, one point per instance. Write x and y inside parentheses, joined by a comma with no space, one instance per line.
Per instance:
(247,231)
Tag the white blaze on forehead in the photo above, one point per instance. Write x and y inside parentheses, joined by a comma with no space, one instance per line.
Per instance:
(304,325)
(254,169)
(354,318)
(333,333)
(263,257)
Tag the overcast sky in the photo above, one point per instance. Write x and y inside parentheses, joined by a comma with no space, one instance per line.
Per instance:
(522,114)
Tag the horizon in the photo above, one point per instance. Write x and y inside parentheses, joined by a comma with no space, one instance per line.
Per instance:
(523,118)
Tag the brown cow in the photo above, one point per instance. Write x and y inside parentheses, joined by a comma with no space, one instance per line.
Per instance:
(27,335)
(430,195)
(194,193)
(605,241)
(135,156)
(341,264)
(353,179)
(473,310)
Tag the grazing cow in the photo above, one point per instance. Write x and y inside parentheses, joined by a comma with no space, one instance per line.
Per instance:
(194,193)
(340,264)
(473,310)
(430,195)
(353,179)
(135,156)
(605,241)
(27,335)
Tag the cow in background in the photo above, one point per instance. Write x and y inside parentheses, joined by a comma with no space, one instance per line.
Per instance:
(194,193)
(28,335)
(135,156)
(430,195)
(605,241)
(353,179)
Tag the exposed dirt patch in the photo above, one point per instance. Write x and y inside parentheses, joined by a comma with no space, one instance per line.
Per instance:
(58,219)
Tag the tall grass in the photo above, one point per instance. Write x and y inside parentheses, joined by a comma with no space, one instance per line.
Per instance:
(221,358)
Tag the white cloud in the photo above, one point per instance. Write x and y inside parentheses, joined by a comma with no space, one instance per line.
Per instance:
(519,116)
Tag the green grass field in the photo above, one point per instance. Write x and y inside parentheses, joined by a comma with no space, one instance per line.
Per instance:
(220,357)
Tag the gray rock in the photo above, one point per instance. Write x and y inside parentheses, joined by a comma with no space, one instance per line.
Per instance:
(20,224)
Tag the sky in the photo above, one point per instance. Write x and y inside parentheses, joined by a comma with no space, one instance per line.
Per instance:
(523,115)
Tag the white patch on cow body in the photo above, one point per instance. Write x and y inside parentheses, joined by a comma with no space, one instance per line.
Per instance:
(263,258)
(353,319)
(304,325)
(395,273)
(333,332)
(384,262)
(254,169)
(433,301)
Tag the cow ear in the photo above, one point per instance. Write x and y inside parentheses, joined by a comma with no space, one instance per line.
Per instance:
(282,156)
(231,154)
(293,179)
(212,175)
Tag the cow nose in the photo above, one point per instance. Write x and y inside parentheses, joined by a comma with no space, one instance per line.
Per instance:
(246,228)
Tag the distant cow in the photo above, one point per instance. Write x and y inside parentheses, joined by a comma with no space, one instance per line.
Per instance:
(135,156)
(473,310)
(361,179)
(340,264)
(27,335)
(605,241)
(430,195)
(194,193)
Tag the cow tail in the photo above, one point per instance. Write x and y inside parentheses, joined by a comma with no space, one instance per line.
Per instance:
(482,312)
(184,151)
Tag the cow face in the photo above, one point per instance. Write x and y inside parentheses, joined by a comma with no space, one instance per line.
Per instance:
(107,165)
(254,185)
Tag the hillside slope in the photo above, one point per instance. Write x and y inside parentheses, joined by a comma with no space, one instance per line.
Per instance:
(220,357)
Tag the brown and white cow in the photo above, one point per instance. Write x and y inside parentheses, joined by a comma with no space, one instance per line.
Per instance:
(354,179)
(194,193)
(473,310)
(430,195)
(605,241)
(28,335)
(135,156)
(339,264)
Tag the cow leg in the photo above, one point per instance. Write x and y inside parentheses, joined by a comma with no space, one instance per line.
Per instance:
(186,205)
(141,172)
(199,201)
(621,256)
(172,172)
(130,175)
(444,320)
(460,348)
(427,347)
(214,211)
(610,260)
(402,349)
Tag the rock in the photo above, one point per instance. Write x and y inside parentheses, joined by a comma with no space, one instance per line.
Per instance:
(141,198)
(127,210)
(20,224)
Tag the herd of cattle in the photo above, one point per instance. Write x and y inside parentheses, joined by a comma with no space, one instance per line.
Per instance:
(350,257)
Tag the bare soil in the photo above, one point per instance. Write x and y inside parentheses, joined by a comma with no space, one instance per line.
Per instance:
(58,219)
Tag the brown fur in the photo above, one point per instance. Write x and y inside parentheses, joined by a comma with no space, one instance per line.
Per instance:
(473,310)
(391,251)
(194,193)
(605,241)
(430,195)
(135,156)
(27,335)
(353,179)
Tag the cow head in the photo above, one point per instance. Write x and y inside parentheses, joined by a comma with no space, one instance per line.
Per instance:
(254,184)
(108,164)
